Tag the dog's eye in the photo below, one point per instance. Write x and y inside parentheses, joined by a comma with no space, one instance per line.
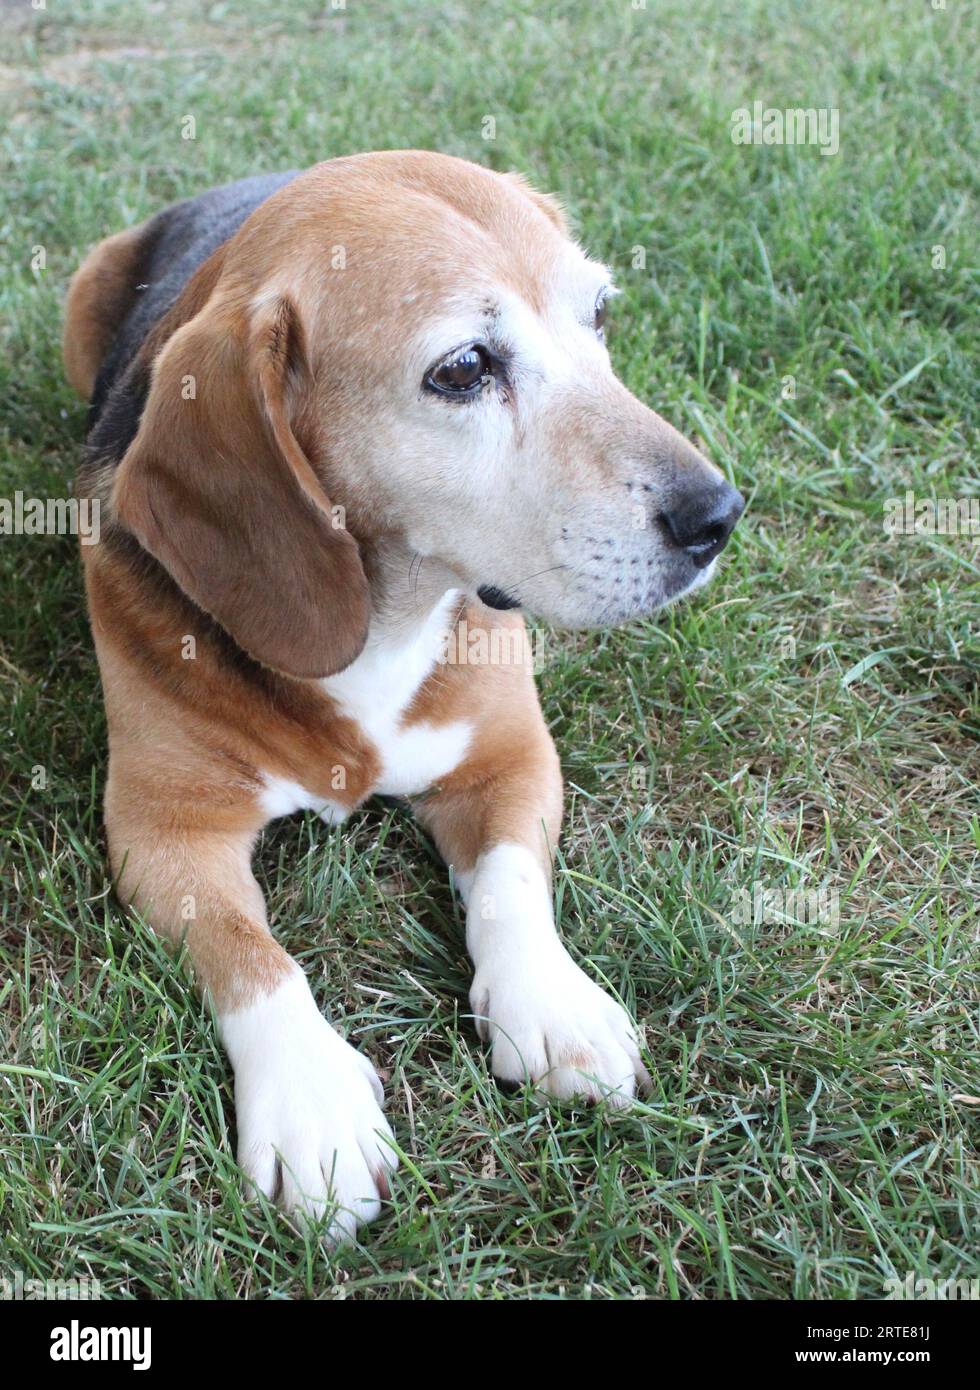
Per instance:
(462,374)
(600,317)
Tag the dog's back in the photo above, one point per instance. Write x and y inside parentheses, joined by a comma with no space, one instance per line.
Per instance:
(131,279)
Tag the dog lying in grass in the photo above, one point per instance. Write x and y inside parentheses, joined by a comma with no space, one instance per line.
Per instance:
(334,416)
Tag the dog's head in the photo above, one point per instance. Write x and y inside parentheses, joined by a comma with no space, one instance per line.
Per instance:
(420,341)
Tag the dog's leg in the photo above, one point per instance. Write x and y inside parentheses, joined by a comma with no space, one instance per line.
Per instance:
(310,1128)
(496,822)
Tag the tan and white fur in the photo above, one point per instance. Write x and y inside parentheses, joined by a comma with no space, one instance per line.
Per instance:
(303,508)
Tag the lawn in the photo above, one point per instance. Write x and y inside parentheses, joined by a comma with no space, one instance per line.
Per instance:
(808,723)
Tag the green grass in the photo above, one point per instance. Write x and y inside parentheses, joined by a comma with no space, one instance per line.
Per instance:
(810,721)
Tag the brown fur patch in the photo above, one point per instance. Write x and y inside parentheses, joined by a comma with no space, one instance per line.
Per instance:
(100,293)
(509,786)
(172,684)
(216,487)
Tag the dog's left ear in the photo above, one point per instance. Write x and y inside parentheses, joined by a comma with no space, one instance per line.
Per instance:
(217,487)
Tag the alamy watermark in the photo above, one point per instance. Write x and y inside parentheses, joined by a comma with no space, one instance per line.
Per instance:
(931,516)
(51,516)
(76,1342)
(16,1288)
(796,125)
(938,1290)
(492,646)
(803,907)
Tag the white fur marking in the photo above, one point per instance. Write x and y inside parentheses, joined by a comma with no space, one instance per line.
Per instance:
(375,691)
(546,1019)
(281,797)
(378,688)
(309,1103)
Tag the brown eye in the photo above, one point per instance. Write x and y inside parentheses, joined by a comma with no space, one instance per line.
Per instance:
(600,318)
(462,374)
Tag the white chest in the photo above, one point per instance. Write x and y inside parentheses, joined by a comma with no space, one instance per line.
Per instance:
(375,692)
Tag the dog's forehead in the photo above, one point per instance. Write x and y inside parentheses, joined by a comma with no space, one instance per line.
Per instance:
(409,207)
(424,251)
(460,246)
(487,198)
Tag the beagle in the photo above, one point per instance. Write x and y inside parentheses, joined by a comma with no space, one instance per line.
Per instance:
(335,415)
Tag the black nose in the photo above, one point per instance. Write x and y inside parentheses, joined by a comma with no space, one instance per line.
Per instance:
(700,521)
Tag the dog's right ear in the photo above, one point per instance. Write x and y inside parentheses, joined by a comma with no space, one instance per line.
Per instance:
(216,486)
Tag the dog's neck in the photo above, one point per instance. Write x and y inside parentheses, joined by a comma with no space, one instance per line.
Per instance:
(405,586)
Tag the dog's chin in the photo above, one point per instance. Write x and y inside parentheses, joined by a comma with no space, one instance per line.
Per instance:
(612,610)
(684,586)
(607,610)
(702,577)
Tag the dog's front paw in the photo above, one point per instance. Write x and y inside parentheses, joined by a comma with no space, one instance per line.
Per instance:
(310,1128)
(549,1024)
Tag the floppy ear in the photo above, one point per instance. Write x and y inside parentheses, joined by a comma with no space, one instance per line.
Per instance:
(217,488)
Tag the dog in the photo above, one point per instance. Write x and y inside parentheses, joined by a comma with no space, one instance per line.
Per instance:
(335,415)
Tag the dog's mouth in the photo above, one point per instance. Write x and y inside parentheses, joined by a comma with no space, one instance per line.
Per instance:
(611,604)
